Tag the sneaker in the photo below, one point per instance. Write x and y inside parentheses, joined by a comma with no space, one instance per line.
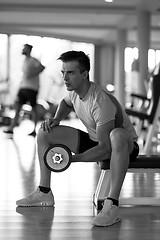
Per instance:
(108,215)
(8,131)
(33,134)
(37,199)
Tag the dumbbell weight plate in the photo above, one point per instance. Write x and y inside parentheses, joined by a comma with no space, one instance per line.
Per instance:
(57,157)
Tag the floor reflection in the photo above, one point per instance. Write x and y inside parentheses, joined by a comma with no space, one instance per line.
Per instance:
(73,190)
(37,222)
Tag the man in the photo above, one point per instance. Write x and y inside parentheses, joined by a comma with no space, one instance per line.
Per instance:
(110,135)
(29,87)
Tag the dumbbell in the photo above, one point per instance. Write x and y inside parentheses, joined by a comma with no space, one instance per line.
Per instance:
(57,157)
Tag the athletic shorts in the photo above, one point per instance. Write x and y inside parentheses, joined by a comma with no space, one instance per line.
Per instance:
(27,95)
(86,143)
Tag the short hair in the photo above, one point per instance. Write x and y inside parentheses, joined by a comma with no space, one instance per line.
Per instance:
(79,56)
(28,46)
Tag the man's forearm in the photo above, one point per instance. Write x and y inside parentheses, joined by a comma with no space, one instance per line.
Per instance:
(94,154)
(62,111)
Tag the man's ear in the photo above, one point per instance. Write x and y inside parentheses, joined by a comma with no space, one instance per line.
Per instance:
(85,74)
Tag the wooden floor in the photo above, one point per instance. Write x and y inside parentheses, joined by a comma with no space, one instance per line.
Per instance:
(73,191)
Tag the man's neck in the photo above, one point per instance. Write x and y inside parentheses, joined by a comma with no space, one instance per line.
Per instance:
(83,91)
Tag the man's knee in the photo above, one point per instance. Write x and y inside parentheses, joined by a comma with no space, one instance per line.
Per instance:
(41,136)
(118,138)
(44,137)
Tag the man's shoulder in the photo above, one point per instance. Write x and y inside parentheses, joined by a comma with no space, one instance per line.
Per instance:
(34,60)
(98,91)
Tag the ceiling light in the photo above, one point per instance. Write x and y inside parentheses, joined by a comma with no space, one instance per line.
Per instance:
(109,1)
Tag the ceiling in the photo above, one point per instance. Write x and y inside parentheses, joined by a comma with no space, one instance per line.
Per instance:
(93,21)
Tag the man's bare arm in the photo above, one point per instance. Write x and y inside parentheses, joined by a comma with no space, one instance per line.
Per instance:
(103,150)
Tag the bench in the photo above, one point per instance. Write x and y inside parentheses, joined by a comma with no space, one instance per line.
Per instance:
(144,164)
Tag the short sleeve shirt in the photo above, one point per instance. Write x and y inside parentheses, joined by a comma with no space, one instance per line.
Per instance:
(31,83)
(97,108)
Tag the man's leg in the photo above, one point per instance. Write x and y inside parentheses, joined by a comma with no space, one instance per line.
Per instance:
(34,116)
(31,96)
(20,100)
(121,145)
(60,134)
(16,117)
(14,121)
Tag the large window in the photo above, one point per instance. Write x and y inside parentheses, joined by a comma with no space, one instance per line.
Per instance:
(132,66)
(132,54)
(47,50)
(3,57)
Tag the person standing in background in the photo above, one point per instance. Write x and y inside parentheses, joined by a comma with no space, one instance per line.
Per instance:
(28,89)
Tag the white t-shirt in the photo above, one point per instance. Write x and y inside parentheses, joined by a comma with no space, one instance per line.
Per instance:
(30,82)
(97,108)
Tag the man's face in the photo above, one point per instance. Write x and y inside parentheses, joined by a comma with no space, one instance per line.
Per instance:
(25,50)
(73,78)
